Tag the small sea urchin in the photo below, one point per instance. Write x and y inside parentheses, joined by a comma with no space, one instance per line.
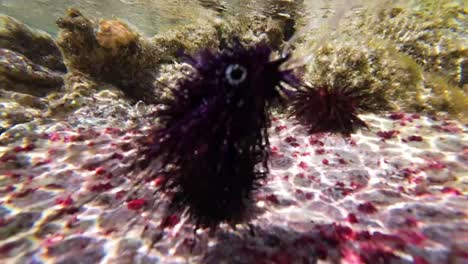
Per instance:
(214,142)
(327,109)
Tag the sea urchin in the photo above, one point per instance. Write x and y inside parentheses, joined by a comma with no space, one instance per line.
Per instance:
(214,142)
(327,109)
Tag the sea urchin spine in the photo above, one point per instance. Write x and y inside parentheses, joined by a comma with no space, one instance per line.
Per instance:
(214,143)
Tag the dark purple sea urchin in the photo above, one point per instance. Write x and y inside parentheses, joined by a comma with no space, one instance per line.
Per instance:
(214,143)
(327,109)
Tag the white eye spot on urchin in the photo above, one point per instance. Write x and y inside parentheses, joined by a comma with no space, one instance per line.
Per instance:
(236,74)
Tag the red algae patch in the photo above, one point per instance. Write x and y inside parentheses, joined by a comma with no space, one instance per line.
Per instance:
(67,201)
(352,218)
(367,208)
(415,138)
(451,190)
(136,204)
(388,134)
(170,221)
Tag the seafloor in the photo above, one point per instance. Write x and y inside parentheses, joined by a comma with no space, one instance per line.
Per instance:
(390,194)
(72,119)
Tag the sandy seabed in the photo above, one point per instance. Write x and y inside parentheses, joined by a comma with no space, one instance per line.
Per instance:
(393,193)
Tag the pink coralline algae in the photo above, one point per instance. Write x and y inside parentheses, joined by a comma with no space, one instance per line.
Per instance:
(352,218)
(415,138)
(388,134)
(314,140)
(100,171)
(449,127)
(420,260)
(280,128)
(397,115)
(159,181)
(412,237)
(272,198)
(451,190)
(136,204)
(319,151)
(170,221)
(26,148)
(303,165)
(101,187)
(54,136)
(336,234)
(351,256)
(67,201)
(292,141)
(435,165)
(367,208)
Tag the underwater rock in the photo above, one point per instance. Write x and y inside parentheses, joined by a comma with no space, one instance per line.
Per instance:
(432,34)
(13,113)
(444,96)
(112,51)
(19,69)
(22,86)
(36,45)
(287,15)
(24,100)
(109,51)
(408,57)
(188,39)
(30,68)
(371,70)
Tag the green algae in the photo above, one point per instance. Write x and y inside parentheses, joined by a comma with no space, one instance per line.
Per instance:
(396,55)
(371,68)
(432,34)
(446,97)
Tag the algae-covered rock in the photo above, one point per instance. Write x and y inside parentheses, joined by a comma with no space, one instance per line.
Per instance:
(109,51)
(19,68)
(385,79)
(26,100)
(444,96)
(36,45)
(114,52)
(433,33)
(79,91)
(398,55)
(30,62)
(30,67)
(185,39)
(22,84)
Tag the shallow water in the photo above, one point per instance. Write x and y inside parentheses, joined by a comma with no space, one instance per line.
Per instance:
(153,16)
(72,128)
(150,16)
